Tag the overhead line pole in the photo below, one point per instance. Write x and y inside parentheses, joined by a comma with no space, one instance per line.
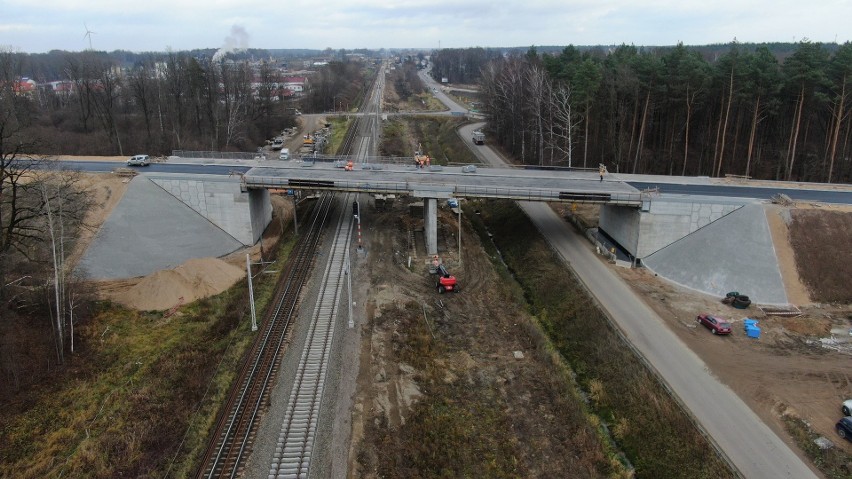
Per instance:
(251,293)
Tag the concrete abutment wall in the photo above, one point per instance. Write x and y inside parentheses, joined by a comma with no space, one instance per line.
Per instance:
(242,214)
(712,245)
(661,223)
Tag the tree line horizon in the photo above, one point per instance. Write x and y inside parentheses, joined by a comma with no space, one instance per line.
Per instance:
(747,110)
(769,111)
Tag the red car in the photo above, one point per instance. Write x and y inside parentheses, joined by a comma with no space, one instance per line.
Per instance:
(715,324)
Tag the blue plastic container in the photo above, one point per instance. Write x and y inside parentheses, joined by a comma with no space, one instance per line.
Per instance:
(753,332)
(749,323)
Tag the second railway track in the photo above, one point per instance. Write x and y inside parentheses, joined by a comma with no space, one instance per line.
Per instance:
(234,436)
(293,451)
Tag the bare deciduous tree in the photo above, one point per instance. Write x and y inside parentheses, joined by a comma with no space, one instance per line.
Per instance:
(565,123)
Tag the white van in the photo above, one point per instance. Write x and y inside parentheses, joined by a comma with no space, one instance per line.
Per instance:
(285,154)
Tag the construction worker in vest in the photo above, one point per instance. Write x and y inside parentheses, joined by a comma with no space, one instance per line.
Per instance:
(348,166)
(602,170)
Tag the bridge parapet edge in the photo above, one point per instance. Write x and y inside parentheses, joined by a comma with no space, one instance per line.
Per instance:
(443,191)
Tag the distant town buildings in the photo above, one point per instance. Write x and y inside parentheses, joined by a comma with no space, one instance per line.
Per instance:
(284,84)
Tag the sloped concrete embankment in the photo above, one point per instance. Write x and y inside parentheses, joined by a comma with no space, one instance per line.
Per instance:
(712,246)
(733,253)
(165,220)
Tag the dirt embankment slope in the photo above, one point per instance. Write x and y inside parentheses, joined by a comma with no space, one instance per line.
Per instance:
(459,383)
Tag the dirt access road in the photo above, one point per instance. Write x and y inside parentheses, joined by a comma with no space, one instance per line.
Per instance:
(461,377)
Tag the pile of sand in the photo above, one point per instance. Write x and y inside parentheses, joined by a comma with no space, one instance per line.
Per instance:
(194,279)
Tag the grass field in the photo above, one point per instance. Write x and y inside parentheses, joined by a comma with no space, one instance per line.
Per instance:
(140,397)
(339,125)
(435,134)
(655,434)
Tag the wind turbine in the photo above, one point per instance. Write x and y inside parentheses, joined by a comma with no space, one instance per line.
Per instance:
(88,34)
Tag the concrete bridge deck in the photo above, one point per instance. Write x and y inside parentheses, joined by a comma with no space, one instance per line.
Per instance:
(445,182)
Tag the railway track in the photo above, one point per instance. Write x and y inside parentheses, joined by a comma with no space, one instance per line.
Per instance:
(295,444)
(293,451)
(237,425)
(235,429)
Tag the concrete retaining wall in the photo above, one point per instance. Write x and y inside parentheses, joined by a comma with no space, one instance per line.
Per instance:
(260,211)
(735,253)
(243,215)
(642,233)
(621,223)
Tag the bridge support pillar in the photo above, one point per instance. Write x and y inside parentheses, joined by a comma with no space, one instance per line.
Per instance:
(430,217)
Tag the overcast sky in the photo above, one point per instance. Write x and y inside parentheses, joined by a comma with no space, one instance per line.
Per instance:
(158,25)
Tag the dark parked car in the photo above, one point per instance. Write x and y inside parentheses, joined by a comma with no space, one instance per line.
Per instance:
(715,324)
(844,427)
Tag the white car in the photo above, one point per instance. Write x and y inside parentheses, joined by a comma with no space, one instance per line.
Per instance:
(847,407)
(139,160)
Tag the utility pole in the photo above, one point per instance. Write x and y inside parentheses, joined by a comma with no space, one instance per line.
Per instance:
(356,210)
(295,222)
(348,273)
(251,293)
(460,256)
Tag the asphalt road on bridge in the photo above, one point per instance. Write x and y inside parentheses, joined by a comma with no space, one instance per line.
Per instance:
(751,446)
(667,185)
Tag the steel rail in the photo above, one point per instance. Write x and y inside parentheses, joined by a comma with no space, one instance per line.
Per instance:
(293,451)
(235,428)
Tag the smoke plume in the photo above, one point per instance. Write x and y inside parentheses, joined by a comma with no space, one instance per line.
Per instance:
(237,41)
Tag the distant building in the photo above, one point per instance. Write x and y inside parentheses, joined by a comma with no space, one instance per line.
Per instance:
(295,84)
(24,86)
(63,87)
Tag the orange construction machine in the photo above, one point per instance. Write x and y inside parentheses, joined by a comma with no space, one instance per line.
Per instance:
(421,160)
(446,281)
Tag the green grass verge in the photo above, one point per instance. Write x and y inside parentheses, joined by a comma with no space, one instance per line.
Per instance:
(140,400)
(339,126)
(655,434)
(395,139)
(834,463)
(436,134)
(422,102)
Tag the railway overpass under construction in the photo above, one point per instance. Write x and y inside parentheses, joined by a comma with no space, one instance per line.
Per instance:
(670,235)
(433,183)
(678,236)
